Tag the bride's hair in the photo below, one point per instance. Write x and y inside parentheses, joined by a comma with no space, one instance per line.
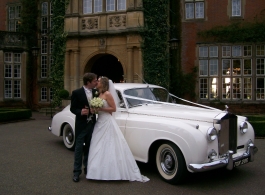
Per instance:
(105,84)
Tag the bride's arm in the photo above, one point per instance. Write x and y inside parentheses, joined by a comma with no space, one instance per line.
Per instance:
(111,103)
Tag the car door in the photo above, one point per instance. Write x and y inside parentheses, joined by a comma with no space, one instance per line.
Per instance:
(121,114)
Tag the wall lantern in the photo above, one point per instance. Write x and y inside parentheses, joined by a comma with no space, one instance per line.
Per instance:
(35,51)
(173,43)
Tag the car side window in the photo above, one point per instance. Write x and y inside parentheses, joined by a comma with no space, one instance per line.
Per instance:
(160,94)
(134,93)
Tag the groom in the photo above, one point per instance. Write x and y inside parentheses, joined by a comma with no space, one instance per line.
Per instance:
(84,121)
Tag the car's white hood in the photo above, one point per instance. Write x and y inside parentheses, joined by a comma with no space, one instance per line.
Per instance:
(177,111)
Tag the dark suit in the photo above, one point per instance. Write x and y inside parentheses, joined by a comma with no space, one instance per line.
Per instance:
(83,129)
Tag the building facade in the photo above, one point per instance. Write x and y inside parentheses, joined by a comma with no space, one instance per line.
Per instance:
(13,55)
(103,37)
(232,73)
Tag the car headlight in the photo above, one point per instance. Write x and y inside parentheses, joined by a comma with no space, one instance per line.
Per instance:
(243,127)
(212,134)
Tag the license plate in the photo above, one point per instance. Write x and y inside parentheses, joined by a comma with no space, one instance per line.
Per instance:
(241,162)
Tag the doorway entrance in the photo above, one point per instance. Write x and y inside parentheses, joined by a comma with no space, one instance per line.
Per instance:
(109,66)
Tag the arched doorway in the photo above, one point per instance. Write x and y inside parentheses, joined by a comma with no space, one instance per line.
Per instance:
(109,66)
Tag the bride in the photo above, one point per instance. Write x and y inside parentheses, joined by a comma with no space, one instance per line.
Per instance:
(110,157)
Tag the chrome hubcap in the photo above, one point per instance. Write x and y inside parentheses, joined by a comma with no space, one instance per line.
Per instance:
(168,161)
(69,136)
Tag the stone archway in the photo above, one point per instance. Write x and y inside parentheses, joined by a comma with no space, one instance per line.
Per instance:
(106,65)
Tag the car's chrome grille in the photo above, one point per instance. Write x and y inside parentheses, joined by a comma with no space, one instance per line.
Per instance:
(228,134)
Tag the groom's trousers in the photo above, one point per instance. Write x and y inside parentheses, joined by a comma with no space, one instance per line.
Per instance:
(83,136)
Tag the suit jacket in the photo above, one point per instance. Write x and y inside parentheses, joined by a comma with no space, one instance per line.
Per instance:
(78,102)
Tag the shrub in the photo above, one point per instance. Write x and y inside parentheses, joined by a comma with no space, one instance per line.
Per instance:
(258,123)
(64,94)
(14,114)
(259,128)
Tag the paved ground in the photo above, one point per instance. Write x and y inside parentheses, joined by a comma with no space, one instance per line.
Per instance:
(34,161)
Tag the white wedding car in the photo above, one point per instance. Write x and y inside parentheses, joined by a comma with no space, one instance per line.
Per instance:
(178,138)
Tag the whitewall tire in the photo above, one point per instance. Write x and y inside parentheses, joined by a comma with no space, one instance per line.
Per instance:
(68,137)
(170,163)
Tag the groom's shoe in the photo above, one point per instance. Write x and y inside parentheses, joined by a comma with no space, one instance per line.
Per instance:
(76,178)
(85,171)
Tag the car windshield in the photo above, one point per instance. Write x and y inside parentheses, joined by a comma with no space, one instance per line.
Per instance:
(154,94)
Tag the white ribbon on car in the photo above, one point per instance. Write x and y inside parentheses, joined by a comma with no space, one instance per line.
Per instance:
(167,103)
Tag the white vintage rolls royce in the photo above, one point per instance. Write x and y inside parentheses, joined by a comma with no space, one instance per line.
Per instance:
(178,138)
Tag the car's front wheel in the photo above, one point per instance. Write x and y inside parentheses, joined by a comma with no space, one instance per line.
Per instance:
(68,137)
(170,163)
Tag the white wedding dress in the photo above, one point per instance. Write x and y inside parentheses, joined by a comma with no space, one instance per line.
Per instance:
(110,157)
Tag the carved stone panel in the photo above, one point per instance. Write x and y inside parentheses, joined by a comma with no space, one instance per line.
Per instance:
(131,4)
(139,3)
(12,39)
(102,43)
(90,23)
(117,21)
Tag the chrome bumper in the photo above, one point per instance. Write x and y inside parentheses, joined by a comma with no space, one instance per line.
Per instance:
(227,162)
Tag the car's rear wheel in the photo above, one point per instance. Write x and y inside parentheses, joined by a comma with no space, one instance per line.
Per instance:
(68,137)
(170,163)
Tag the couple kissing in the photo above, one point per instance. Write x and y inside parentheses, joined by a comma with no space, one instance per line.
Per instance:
(106,154)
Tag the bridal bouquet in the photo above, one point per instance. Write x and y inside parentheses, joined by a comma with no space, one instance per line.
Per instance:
(96,103)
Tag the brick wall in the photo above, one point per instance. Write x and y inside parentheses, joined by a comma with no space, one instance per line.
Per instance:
(3,13)
(216,14)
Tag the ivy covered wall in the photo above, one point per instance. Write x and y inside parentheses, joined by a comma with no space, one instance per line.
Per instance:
(59,40)
(162,21)
(29,27)
(155,42)
(242,31)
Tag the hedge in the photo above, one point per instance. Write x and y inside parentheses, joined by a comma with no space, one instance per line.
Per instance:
(258,123)
(14,114)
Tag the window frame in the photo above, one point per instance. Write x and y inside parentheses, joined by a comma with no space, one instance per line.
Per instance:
(110,5)
(46,43)
(194,9)
(13,17)
(44,94)
(12,75)
(260,51)
(260,91)
(91,6)
(233,74)
(236,13)
(98,6)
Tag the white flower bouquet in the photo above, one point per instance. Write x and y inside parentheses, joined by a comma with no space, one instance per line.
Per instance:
(96,103)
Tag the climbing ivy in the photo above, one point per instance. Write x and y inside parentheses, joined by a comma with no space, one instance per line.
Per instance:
(155,34)
(58,37)
(28,24)
(155,42)
(184,84)
(242,31)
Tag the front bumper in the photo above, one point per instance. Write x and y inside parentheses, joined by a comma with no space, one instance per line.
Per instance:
(227,162)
